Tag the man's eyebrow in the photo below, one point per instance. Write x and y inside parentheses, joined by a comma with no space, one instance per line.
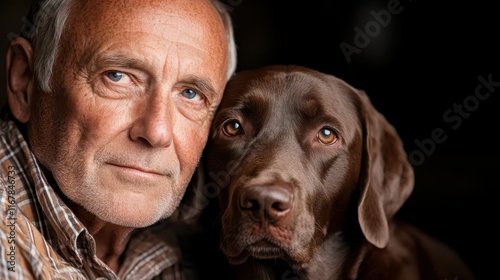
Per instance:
(91,59)
(116,60)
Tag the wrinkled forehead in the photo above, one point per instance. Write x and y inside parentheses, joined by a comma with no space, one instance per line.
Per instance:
(124,14)
(161,33)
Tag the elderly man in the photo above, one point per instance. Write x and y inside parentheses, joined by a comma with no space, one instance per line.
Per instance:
(110,104)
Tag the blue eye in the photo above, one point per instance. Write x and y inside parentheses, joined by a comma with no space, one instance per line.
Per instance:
(114,76)
(189,94)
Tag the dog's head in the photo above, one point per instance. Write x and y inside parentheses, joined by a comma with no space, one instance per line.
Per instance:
(292,150)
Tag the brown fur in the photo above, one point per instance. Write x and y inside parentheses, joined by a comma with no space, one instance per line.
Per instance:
(294,208)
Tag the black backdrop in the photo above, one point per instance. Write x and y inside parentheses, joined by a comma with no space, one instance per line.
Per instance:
(421,69)
(416,66)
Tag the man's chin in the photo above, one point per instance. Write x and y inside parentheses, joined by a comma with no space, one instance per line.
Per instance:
(140,219)
(135,214)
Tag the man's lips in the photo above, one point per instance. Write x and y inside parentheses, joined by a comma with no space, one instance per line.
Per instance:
(138,169)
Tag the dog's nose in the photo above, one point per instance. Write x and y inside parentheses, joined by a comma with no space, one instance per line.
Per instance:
(266,202)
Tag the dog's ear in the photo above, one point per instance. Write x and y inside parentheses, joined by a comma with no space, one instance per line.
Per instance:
(386,178)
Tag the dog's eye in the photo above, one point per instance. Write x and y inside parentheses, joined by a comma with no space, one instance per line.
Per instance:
(326,136)
(232,128)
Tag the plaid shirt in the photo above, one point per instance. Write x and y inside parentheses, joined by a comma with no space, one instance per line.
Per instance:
(41,238)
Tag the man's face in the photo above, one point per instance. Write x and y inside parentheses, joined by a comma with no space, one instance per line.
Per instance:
(134,88)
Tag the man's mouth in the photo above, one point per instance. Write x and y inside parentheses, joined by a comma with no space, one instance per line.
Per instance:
(137,170)
(140,169)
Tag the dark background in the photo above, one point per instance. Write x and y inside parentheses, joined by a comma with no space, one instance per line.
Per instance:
(426,60)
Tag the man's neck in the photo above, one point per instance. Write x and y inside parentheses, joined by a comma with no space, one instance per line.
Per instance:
(111,240)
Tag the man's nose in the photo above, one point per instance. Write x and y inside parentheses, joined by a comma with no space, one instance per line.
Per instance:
(154,125)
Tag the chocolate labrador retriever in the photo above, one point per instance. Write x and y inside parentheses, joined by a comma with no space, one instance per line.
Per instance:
(310,176)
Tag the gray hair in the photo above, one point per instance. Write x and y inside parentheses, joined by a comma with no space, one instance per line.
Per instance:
(48,25)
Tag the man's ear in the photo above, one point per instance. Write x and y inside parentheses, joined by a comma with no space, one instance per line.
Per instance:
(20,78)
